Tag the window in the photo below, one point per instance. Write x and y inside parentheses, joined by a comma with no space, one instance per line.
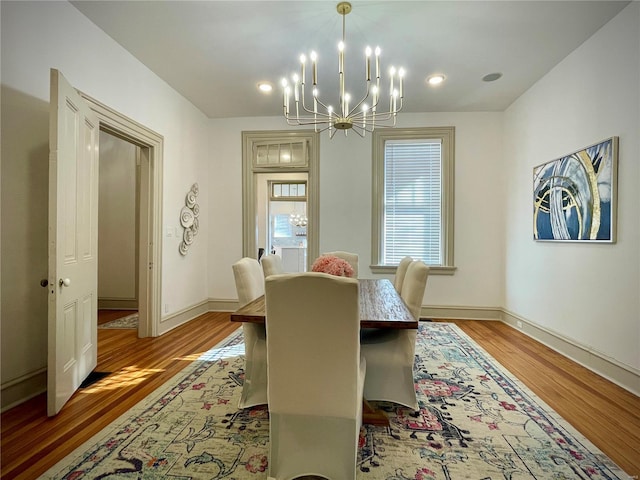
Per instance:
(413,197)
(288,190)
(281,153)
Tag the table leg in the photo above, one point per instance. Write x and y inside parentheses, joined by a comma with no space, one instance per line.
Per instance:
(373,416)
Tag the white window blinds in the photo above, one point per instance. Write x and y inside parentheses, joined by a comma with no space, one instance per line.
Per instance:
(412,220)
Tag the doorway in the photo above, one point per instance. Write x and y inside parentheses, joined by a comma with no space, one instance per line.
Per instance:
(282,217)
(149,158)
(118,232)
(269,159)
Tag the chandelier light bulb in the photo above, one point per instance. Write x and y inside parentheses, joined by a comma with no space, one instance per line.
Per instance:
(360,115)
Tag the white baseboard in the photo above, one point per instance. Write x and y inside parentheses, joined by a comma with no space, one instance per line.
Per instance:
(622,375)
(223,305)
(118,303)
(169,322)
(461,313)
(23,388)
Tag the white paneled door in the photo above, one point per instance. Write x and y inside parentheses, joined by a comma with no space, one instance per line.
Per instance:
(73,242)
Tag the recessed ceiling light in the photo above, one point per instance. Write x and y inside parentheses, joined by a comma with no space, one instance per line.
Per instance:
(435,79)
(265,87)
(492,77)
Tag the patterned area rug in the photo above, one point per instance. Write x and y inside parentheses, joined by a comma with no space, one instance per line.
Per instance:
(476,421)
(130,321)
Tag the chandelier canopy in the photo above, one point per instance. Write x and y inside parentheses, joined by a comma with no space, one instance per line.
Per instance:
(362,116)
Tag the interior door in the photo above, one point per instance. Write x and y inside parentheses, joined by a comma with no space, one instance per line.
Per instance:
(73,242)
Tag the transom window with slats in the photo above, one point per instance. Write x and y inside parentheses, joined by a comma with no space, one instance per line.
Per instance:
(413,197)
(280,153)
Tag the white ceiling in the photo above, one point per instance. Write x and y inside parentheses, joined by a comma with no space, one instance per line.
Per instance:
(215,52)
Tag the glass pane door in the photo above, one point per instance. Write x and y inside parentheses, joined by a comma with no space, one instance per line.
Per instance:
(281,208)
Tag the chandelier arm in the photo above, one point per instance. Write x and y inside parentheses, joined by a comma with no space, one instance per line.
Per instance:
(357,106)
(382,117)
(304,106)
(324,117)
(333,115)
(300,121)
(359,130)
(307,121)
(312,112)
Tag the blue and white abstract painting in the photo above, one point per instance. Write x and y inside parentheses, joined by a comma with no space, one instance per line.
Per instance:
(574,196)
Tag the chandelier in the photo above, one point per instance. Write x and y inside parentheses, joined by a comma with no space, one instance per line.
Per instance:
(361,117)
(298,220)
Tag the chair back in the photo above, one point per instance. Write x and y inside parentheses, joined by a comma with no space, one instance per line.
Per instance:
(313,345)
(352,258)
(272,265)
(249,280)
(413,286)
(401,272)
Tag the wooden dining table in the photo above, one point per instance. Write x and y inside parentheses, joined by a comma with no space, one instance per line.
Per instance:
(380,307)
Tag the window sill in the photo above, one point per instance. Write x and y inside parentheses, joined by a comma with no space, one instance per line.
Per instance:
(433,270)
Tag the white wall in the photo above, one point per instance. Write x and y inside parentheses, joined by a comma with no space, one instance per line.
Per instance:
(117,223)
(588,293)
(37,36)
(345,187)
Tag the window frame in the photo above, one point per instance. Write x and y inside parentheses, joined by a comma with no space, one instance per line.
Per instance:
(446,135)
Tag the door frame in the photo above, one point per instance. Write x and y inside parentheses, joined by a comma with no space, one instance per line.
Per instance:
(150,215)
(249,171)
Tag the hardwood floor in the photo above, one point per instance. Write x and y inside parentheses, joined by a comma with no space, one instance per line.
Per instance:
(31,443)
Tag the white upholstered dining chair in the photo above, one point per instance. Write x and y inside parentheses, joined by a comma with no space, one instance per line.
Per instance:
(249,286)
(390,354)
(271,265)
(316,375)
(352,258)
(401,271)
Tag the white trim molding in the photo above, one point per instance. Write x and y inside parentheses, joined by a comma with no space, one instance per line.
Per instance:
(169,322)
(621,374)
(442,312)
(23,388)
